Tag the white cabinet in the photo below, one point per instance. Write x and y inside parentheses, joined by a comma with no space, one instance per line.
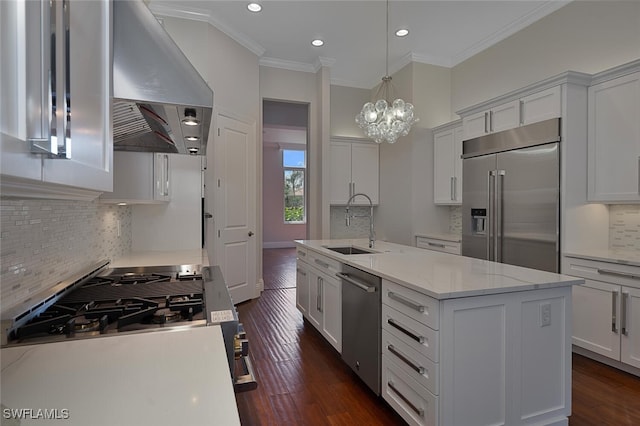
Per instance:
(31,85)
(140,178)
(528,109)
(606,309)
(319,294)
(354,169)
(438,244)
(447,165)
(614,140)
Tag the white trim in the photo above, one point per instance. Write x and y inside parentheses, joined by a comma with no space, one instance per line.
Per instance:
(278,244)
(350,83)
(184,12)
(14,187)
(323,61)
(615,72)
(239,37)
(423,59)
(286,65)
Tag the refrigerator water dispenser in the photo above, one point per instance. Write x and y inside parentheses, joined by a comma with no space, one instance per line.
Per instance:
(478,221)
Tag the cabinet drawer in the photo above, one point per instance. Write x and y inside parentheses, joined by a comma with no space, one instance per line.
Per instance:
(416,365)
(418,306)
(323,263)
(414,334)
(415,404)
(602,271)
(438,245)
(302,254)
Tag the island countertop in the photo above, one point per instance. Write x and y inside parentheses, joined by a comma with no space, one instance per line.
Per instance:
(439,275)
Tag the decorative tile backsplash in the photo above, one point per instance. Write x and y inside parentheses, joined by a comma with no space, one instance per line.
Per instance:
(455,220)
(359,227)
(624,227)
(45,241)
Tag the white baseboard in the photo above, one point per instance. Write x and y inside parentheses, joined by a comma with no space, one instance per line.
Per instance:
(278,244)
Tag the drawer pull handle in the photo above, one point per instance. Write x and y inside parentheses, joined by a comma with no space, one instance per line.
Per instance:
(418,411)
(618,273)
(361,285)
(419,369)
(321,263)
(302,254)
(406,302)
(625,300)
(303,273)
(407,331)
(437,245)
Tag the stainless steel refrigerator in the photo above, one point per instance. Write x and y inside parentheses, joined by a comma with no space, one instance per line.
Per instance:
(511,196)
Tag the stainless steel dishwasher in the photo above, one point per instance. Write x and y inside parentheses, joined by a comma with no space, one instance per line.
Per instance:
(361,306)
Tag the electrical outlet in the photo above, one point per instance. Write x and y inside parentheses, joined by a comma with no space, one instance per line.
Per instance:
(545,314)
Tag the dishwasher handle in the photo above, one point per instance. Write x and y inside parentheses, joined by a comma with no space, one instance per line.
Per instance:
(360,284)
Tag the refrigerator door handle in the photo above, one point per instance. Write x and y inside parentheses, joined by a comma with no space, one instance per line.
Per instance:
(490,213)
(499,194)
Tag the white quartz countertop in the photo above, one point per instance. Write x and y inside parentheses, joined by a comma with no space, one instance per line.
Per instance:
(623,257)
(162,258)
(177,377)
(454,238)
(440,275)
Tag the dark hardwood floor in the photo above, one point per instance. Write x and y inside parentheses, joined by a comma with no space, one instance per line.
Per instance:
(303,381)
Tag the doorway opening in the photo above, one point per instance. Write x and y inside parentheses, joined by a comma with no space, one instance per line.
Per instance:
(285,183)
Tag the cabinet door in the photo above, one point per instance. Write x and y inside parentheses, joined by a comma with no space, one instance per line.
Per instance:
(503,117)
(443,167)
(595,321)
(302,289)
(161,177)
(91,142)
(315,299)
(541,106)
(331,301)
(457,164)
(630,329)
(340,172)
(475,125)
(364,171)
(614,140)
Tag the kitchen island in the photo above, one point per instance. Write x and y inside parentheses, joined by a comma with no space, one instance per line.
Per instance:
(464,341)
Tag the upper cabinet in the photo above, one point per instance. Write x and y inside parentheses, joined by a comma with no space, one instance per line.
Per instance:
(354,169)
(614,140)
(58,130)
(519,112)
(140,178)
(447,164)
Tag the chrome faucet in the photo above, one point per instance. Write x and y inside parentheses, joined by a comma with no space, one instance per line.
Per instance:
(349,216)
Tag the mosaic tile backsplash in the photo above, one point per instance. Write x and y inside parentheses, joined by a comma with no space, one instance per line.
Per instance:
(45,241)
(624,227)
(455,220)
(359,227)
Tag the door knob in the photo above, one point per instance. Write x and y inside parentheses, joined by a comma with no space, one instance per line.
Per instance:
(251,233)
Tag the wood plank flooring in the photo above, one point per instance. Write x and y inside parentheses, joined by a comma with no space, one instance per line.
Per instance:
(303,381)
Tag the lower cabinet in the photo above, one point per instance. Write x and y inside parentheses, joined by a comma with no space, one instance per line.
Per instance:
(319,294)
(606,310)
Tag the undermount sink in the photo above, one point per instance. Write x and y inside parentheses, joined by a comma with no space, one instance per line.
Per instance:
(350,250)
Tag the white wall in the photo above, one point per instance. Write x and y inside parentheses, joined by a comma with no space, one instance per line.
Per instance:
(585,36)
(177,224)
(346,103)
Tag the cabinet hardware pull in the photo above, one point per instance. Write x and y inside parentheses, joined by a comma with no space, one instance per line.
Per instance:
(486,115)
(614,311)
(455,188)
(419,369)
(436,245)
(491,121)
(625,300)
(406,302)
(318,308)
(166,176)
(452,189)
(361,285)
(407,331)
(303,273)
(618,273)
(320,287)
(321,263)
(418,411)
(521,111)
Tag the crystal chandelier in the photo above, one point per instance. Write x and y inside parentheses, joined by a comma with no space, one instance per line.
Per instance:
(385,120)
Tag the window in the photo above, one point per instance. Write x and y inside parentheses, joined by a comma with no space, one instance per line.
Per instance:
(294,164)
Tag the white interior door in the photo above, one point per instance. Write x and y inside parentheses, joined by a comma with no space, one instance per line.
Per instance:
(235,206)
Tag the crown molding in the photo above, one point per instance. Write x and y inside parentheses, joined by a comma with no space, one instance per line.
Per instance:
(184,12)
(350,83)
(238,36)
(615,72)
(323,61)
(540,12)
(286,65)
(425,59)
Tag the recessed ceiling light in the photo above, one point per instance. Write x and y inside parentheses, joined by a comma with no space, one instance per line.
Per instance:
(317,42)
(254,7)
(402,32)
(192,138)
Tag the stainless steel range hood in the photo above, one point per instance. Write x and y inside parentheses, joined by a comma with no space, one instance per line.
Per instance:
(158,96)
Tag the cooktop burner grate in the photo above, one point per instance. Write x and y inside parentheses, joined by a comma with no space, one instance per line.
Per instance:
(142,289)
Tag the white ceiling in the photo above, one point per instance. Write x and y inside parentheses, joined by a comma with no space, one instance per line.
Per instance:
(442,33)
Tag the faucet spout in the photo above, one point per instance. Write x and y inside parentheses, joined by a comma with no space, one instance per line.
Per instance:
(371,227)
